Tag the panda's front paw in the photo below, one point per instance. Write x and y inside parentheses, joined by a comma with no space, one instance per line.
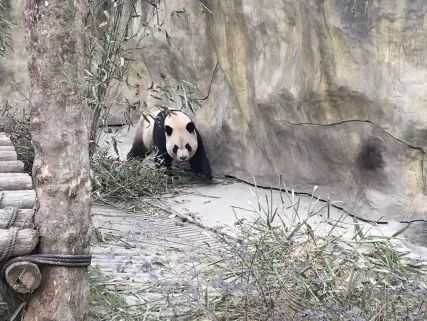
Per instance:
(203,178)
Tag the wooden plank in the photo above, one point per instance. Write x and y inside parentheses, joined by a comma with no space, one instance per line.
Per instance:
(20,199)
(4,140)
(15,181)
(8,156)
(7,148)
(23,219)
(11,167)
(25,243)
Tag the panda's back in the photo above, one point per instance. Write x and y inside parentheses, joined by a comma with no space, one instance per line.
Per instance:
(149,125)
(147,132)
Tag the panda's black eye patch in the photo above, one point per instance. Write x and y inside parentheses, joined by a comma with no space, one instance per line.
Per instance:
(175,149)
(190,127)
(168,130)
(188,148)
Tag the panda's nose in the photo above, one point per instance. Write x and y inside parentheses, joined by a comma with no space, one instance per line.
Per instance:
(183,158)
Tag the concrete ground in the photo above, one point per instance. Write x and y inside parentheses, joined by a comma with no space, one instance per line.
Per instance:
(148,256)
(155,257)
(225,203)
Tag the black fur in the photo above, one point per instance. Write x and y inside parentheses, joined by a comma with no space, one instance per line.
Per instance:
(190,127)
(199,162)
(138,151)
(168,130)
(159,140)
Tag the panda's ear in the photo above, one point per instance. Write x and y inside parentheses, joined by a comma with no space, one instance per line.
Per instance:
(190,127)
(168,130)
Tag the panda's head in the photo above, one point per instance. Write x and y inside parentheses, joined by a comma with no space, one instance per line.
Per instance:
(181,136)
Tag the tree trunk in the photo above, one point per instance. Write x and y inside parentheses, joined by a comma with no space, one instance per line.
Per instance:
(59,126)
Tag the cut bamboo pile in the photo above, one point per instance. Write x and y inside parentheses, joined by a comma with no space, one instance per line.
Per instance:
(17,234)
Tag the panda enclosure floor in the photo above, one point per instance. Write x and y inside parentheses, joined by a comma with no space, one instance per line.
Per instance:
(149,254)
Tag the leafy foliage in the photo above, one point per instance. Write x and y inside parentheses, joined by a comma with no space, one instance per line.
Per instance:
(109,23)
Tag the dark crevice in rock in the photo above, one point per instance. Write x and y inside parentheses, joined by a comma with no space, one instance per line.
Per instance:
(370,156)
(348,121)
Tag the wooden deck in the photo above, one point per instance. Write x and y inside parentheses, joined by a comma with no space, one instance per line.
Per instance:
(16,188)
(17,234)
(142,251)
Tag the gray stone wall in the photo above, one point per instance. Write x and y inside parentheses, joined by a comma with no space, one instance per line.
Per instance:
(329,93)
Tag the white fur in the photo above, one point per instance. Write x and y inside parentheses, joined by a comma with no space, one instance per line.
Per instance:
(180,135)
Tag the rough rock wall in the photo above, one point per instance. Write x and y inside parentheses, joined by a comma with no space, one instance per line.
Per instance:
(329,93)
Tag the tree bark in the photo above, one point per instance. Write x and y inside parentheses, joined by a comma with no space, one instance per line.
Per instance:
(59,125)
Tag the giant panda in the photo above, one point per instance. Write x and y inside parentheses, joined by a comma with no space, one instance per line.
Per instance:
(174,137)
